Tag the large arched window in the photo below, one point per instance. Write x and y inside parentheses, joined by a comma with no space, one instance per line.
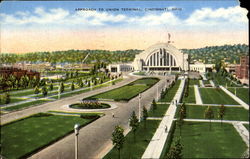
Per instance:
(161,58)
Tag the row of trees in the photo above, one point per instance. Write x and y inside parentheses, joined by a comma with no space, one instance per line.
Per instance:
(71,56)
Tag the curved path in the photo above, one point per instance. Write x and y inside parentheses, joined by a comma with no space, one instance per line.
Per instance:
(95,138)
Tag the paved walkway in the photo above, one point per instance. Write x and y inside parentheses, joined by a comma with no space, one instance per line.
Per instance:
(237,99)
(157,143)
(212,83)
(32,98)
(197,95)
(97,133)
(201,83)
(203,76)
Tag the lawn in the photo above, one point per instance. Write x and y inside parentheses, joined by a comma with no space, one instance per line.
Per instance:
(24,105)
(160,111)
(128,91)
(194,82)
(168,97)
(13,100)
(231,113)
(191,96)
(136,149)
(247,126)
(216,96)
(220,80)
(23,137)
(221,142)
(242,93)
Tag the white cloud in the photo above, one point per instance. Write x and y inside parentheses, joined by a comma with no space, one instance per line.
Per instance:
(200,17)
(208,16)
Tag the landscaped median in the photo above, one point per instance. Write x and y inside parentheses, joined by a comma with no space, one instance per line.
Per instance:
(25,136)
(135,149)
(199,142)
(40,101)
(231,113)
(216,96)
(127,92)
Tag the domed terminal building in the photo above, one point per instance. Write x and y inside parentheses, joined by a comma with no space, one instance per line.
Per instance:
(161,57)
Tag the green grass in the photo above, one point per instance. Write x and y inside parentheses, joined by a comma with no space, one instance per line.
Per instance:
(220,80)
(128,91)
(25,105)
(168,97)
(28,135)
(136,149)
(24,93)
(231,113)
(194,82)
(160,111)
(216,96)
(221,142)
(242,93)
(191,96)
(247,126)
(13,100)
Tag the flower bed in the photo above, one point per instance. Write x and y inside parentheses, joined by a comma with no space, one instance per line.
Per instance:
(90,105)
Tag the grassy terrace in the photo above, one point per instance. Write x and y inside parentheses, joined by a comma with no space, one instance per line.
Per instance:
(191,96)
(194,82)
(242,93)
(216,96)
(247,126)
(160,111)
(231,113)
(221,142)
(136,149)
(28,135)
(168,97)
(220,80)
(68,94)
(128,91)
(25,105)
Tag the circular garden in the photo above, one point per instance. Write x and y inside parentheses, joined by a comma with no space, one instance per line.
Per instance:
(89,105)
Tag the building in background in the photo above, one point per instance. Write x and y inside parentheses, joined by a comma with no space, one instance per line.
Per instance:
(242,70)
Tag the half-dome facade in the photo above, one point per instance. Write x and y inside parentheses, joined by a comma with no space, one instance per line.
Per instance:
(161,57)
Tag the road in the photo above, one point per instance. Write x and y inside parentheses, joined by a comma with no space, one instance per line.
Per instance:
(95,138)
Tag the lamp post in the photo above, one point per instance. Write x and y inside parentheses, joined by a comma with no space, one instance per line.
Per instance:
(139,107)
(76,128)
(59,92)
(157,92)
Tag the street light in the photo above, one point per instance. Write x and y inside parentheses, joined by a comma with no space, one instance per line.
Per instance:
(139,107)
(76,128)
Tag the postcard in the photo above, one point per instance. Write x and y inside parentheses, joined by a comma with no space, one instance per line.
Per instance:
(124,79)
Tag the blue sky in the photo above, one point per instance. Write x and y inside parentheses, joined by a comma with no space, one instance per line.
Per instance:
(196,18)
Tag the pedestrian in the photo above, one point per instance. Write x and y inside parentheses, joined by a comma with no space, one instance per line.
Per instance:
(113,115)
(166,129)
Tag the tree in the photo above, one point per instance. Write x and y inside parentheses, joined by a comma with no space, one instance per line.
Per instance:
(175,152)
(61,87)
(51,87)
(134,123)
(36,90)
(44,91)
(209,114)
(5,98)
(145,115)
(218,66)
(154,105)
(118,138)
(221,113)
(180,120)
(72,86)
(183,110)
